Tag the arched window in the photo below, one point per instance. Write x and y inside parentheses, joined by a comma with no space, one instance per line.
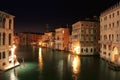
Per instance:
(10,24)
(105,37)
(0,38)
(4,21)
(3,39)
(10,39)
(86,49)
(81,50)
(91,50)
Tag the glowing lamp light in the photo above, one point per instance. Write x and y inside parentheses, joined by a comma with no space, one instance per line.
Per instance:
(13,56)
(114,55)
(77,49)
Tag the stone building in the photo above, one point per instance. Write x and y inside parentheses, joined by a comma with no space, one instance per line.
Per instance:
(85,37)
(110,32)
(7,54)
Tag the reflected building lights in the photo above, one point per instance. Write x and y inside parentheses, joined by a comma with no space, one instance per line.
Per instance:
(76,65)
(40,59)
(13,76)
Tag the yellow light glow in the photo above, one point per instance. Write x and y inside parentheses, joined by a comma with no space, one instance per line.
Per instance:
(40,58)
(114,54)
(40,43)
(77,49)
(76,64)
(13,56)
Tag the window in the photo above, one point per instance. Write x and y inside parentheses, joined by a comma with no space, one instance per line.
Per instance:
(4,21)
(81,24)
(82,50)
(105,18)
(91,50)
(117,23)
(86,49)
(110,16)
(117,12)
(1,22)
(112,24)
(109,37)
(3,39)
(0,55)
(109,25)
(104,53)
(112,37)
(0,38)
(104,46)
(113,14)
(105,37)
(10,24)
(3,55)
(4,64)
(109,47)
(9,39)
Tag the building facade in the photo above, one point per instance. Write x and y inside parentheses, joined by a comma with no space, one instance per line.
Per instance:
(61,38)
(110,32)
(47,40)
(7,56)
(29,38)
(85,36)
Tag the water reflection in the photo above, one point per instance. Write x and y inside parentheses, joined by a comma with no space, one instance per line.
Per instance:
(76,64)
(58,65)
(13,75)
(74,61)
(40,59)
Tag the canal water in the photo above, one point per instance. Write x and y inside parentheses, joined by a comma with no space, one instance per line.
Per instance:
(46,64)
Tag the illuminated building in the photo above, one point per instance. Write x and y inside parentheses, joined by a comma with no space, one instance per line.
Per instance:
(61,38)
(85,36)
(110,32)
(47,40)
(7,54)
(29,38)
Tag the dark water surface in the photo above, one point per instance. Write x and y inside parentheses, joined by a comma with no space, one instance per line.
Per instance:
(46,64)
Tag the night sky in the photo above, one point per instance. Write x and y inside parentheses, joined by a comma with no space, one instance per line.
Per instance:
(34,15)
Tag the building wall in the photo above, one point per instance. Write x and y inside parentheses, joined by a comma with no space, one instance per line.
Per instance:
(110,31)
(47,40)
(28,38)
(61,38)
(6,38)
(85,34)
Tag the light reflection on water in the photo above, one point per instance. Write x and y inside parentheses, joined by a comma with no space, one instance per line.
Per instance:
(14,75)
(58,65)
(76,64)
(40,59)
